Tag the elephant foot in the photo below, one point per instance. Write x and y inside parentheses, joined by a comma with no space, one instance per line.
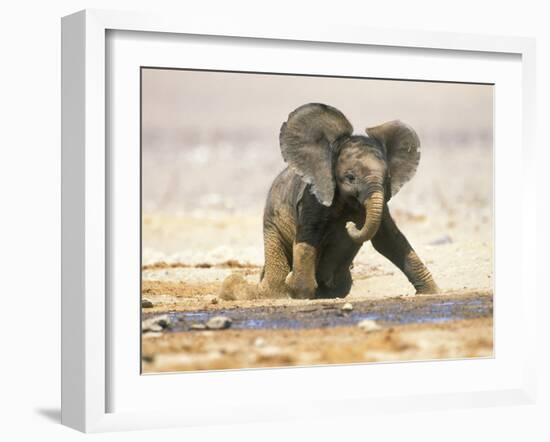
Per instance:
(267,291)
(429,288)
(300,287)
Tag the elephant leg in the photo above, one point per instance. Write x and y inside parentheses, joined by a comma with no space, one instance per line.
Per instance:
(333,271)
(276,267)
(312,219)
(390,242)
(301,281)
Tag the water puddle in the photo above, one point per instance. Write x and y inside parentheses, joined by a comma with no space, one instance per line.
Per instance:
(390,311)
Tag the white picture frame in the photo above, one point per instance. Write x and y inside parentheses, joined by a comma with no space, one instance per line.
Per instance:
(87,202)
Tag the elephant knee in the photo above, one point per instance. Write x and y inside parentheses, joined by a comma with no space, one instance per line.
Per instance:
(300,287)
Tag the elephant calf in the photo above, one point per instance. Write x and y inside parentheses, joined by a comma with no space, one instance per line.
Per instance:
(332,198)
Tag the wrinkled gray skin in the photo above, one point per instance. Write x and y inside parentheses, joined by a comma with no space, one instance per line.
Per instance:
(331,199)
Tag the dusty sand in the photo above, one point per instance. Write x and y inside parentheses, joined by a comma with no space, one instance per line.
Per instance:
(225,349)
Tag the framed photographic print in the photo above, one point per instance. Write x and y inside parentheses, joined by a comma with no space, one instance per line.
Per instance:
(257,222)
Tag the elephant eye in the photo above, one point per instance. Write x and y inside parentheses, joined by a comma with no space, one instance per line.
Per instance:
(350,178)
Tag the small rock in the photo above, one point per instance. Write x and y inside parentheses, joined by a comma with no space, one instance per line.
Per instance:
(445,239)
(270,352)
(347,307)
(155,324)
(368,325)
(153,328)
(163,321)
(145,303)
(152,334)
(274,354)
(198,326)
(259,342)
(219,323)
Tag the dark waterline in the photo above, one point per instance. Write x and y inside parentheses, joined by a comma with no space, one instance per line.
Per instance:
(322,315)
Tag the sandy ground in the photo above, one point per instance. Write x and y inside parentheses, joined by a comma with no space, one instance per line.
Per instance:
(447,217)
(214,350)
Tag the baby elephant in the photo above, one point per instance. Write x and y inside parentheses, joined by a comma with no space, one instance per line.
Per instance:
(332,198)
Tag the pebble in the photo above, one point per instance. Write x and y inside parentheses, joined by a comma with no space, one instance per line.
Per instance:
(368,325)
(198,326)
(145,303)
(152,334)
(219,323)
(347,307)
(259,342)
(155,324)
(270,352)
(445,239)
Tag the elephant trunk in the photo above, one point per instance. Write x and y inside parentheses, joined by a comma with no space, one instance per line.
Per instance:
(374,205)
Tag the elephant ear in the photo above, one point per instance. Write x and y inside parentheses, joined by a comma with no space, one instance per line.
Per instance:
(309,142)
(402,151)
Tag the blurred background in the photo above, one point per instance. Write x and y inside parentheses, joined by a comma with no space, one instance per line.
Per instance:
(210,139)
(210,152)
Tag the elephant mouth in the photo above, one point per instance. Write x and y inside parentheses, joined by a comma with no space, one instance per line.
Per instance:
(354,204)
